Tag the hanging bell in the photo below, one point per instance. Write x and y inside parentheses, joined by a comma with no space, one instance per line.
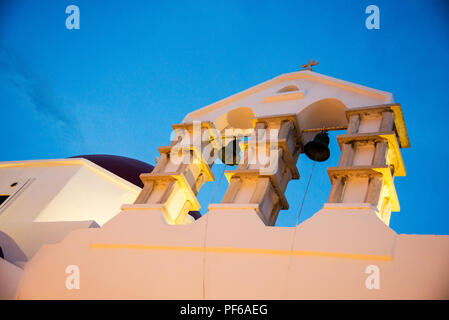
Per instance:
(230,154)
(318,148)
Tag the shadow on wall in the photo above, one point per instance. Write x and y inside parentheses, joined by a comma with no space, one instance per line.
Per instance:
(11,251)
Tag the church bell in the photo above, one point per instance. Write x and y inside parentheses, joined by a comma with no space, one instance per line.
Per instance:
(230,154)
(318,148)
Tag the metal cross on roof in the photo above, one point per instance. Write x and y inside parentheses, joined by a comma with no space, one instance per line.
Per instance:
(309,65)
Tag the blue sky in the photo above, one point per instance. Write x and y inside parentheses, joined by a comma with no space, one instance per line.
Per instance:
(134,68)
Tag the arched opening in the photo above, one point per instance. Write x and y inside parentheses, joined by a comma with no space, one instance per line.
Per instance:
(239,118)
(234,123)
(289,88)
(325,113)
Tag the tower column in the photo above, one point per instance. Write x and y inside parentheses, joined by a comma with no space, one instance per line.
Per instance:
(268,164)
(184,166)
(370,159)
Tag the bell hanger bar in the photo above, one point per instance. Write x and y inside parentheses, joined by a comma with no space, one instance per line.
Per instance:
(324,129)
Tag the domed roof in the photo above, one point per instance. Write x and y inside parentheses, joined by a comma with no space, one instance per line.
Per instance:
(195,214)
(126,168)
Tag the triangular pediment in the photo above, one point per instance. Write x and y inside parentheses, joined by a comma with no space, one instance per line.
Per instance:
(291,93)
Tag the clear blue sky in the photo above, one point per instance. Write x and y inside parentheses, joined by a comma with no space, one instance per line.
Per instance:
(136,67)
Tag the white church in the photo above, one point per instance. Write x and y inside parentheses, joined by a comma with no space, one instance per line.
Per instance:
(106,227)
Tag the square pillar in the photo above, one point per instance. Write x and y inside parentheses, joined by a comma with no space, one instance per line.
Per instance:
(268,164)
(370,159)
(184,166)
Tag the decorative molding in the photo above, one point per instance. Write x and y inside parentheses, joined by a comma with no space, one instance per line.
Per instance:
(284,97)
(308,75)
